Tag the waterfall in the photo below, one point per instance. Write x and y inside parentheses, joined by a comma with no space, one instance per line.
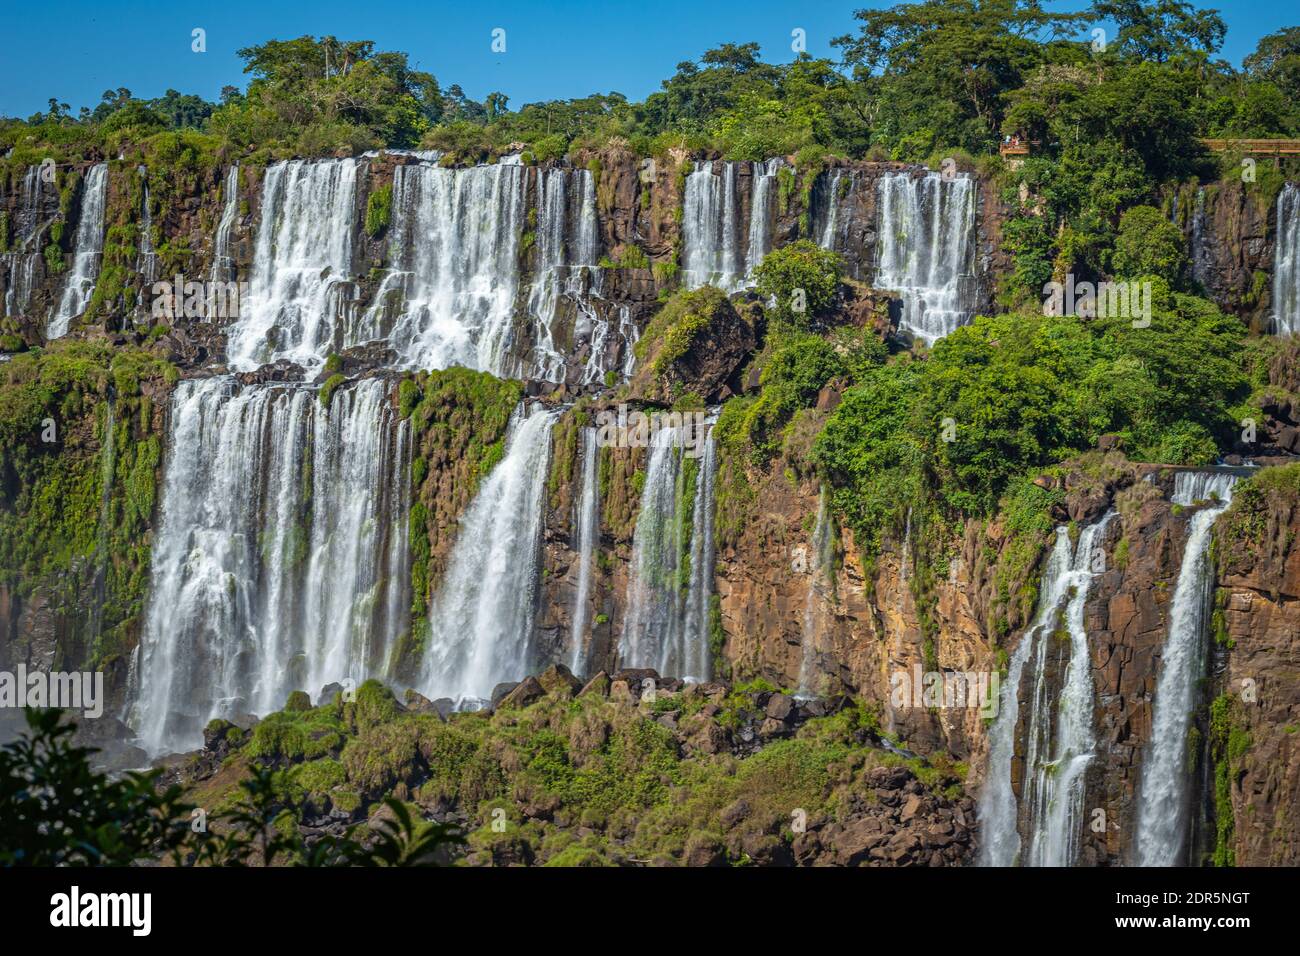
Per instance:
(711,229)
(696,652)
(1200,250)
(20,282)
(627,329)
(821,569)
(87,253)
(303,252)
(832,223)
(223,266)
(670,583)
(22,262)
(147,263)
(1286,262)
(588,529)
(760,214)
(274,564)
(482,616)
(454,247)
(565,260)
(927,244)
(1164,795)
(1059,736)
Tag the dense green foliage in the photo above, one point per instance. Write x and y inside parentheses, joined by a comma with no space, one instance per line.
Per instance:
(79,454)
(529,778)
(55,810)
(1006,396)
(802,280)
(911,80)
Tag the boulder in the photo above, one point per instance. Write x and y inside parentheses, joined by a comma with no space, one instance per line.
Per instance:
(620,692)
(598,686)
(780,707)
(417,703)
(558,681)
(500,691)
(528,691)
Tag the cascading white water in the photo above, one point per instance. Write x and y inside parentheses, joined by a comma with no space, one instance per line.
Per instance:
(759,242)
(628,330)
(1164,795)
(826,239)
(303,253)
(223,266)
(667,626)
(926,249)
(481,619)
(22,262)
(1286,262)
(147,264)
(88,250)
(274,567)
(820,570)
(21,281)
(587,519)
(565,260)
(711,227)
(696,653)
(1059,734)
(454,243)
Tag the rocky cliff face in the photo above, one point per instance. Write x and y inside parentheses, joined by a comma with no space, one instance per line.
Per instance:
(934,599)
(1253,747)
(1230,227)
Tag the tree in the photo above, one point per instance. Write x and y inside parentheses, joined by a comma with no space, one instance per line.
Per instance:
(1277,60)
(945,65)
(802,280)
(1165,30)
(1148,244)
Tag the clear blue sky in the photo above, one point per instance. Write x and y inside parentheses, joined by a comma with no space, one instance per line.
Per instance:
(554,48)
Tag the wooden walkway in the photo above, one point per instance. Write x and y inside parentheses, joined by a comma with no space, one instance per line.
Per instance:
(1258,147)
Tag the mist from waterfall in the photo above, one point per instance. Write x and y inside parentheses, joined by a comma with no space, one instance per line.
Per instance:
(279,558)
(1164,797)
(481,618)
(1286,262)
(670,582)
(87,253)
(926,249)
(1043,827)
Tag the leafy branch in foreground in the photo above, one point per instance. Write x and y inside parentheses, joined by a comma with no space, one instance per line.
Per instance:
(56,810)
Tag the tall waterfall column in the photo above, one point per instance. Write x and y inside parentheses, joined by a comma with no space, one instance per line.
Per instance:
(1043,827)
(1165,793)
